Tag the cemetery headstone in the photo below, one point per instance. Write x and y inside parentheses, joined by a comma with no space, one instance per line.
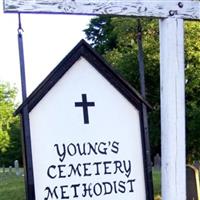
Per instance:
(17,170)
(157,162)
(192,183)
(4,169)
(10,169)
(196,163)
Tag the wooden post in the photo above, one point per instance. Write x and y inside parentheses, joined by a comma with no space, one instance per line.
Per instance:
(172,109)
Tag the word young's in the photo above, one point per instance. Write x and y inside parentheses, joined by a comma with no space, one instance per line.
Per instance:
(86,149)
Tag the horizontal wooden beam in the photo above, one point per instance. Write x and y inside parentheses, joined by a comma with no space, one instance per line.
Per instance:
(140,8)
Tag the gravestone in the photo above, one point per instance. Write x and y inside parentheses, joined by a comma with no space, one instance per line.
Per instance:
(157,162)
(4,169)
(16,165)
(196,163)
(10,169)
(192,183)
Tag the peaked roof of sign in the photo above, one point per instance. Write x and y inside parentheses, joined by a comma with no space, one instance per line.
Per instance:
(82,49)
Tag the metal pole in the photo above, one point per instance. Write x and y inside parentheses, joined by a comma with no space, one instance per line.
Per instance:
(143,93)
(142,74)
(30,193)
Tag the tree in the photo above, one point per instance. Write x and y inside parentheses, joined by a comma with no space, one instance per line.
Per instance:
(192,53)
(101,35)
(9,125)
(14,151)
(122,55)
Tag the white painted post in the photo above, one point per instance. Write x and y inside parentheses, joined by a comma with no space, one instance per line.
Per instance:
(172,109)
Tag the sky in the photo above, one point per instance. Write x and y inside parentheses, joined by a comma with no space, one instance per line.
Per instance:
(47,40)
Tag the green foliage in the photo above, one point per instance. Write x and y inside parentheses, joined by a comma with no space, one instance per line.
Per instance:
(100,33)
(192,35)
(7,106)
(123,57)
(4,140)
(10,139)
(14,151)
(121,53)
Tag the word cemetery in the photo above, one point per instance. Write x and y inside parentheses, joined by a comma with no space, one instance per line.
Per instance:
(96,119)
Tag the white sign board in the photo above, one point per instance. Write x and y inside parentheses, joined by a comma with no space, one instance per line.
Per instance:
(86,137)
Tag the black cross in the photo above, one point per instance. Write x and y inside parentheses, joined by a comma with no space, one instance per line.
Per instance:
(85,106)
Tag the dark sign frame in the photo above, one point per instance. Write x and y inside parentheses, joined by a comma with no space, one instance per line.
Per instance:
(82,49)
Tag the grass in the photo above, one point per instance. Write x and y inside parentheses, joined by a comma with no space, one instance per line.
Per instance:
(12,186)
(157,183)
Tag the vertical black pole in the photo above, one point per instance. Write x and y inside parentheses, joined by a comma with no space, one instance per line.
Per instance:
(28,164)
(141,73)
(144,108)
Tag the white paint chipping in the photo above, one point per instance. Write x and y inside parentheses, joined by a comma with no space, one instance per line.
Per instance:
(142,8)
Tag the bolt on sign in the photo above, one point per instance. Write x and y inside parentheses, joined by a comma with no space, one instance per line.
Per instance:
(86,133)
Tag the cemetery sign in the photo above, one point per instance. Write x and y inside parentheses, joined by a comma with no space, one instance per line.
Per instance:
(172,67)
(86,133)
